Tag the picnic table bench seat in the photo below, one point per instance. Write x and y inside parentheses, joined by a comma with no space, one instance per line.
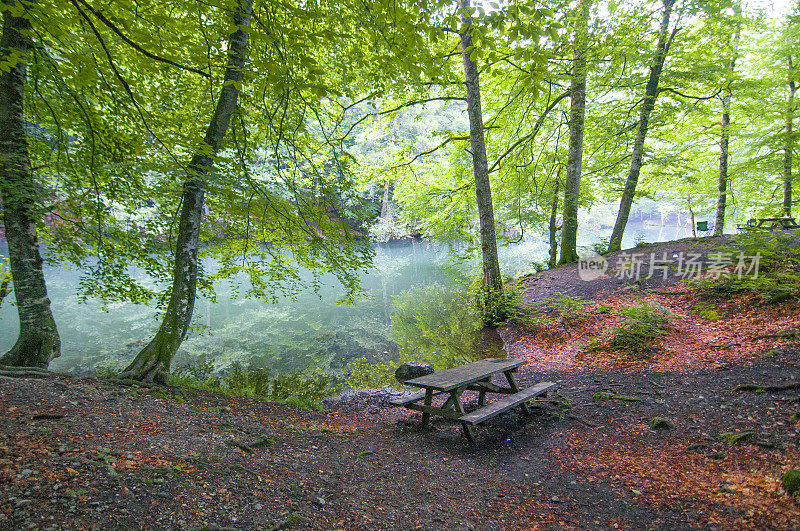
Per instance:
(408,399)
(507,402)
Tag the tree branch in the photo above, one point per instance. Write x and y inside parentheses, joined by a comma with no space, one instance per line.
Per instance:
(533,133)
(135,46)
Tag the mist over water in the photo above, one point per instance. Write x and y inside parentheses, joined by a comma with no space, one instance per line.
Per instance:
(309,332)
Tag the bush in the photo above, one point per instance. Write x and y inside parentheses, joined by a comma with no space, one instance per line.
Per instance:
(495,307)
(294,388)
(778,275)
(361,374)
(641,324)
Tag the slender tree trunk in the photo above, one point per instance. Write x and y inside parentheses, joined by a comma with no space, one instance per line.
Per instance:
(724,138)
(491,264)
(554,229)
(152,363)
(650,95)
(722,185)
(691,213)
(572,186)
(789,144)
(38,340)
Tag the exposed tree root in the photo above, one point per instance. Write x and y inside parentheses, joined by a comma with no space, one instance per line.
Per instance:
(24,372)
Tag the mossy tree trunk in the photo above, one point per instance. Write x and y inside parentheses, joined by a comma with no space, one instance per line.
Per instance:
(152,363)
(38,341)
(554,228)
(492,278)
(650,95)
(572,186)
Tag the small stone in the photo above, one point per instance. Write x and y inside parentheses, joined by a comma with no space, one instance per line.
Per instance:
(726,487)
(412,369)
(791,481)
(659,423)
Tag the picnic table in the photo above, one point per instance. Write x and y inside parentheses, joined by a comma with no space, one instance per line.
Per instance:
(475,376)
(782,222)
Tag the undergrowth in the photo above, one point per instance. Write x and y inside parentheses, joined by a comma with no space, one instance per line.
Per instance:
(776,277)
(295,388)
(640,325)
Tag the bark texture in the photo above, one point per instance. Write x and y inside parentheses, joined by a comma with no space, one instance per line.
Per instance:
(650,95)
(724,139)
(554,228)
(572,186)
(491,264)
(152,363)
(38,341)
(789,145)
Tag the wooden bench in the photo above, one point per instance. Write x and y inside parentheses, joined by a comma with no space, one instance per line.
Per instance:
(408,399)
(508,402)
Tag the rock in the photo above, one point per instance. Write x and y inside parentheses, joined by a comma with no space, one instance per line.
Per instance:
(791,481)
(659,423)
(412,369)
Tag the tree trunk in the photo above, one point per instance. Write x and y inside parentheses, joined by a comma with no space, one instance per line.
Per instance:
(789,144)
(152,363)
(38,340)
(572,186)
(650,95)
(724,139)
(554,229)
(492,279)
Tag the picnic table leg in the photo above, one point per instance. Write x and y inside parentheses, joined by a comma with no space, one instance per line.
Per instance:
(428,401)
(482,394)
(459,407)
(512,383)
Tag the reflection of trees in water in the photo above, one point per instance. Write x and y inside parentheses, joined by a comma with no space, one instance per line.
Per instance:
(390,266)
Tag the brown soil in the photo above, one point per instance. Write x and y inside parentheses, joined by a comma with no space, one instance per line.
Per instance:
(88,453)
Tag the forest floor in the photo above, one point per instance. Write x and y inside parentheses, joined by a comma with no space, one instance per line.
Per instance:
(90,454)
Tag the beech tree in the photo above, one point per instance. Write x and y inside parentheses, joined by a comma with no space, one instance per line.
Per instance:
(492,279)
(724,140)
(38,341)
(665,38)
(572,186)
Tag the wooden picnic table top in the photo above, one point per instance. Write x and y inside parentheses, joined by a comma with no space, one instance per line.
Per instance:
(450,379)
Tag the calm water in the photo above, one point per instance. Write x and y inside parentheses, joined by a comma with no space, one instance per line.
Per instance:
(310,332)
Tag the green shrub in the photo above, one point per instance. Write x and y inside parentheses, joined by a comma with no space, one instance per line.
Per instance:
(641,324)
(705,310)
(778,275)
(361,374)
(494,307)
(295,388)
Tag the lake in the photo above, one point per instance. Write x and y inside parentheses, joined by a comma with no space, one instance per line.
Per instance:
(310,332)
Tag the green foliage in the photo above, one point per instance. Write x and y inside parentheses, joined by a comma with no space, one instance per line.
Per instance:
(436,324)
(705,310)
(791,481)
(554,310)
(641,324)
(604,308)
(361,374)
(493,306)
(296,388)
(777,277)
(601,246)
